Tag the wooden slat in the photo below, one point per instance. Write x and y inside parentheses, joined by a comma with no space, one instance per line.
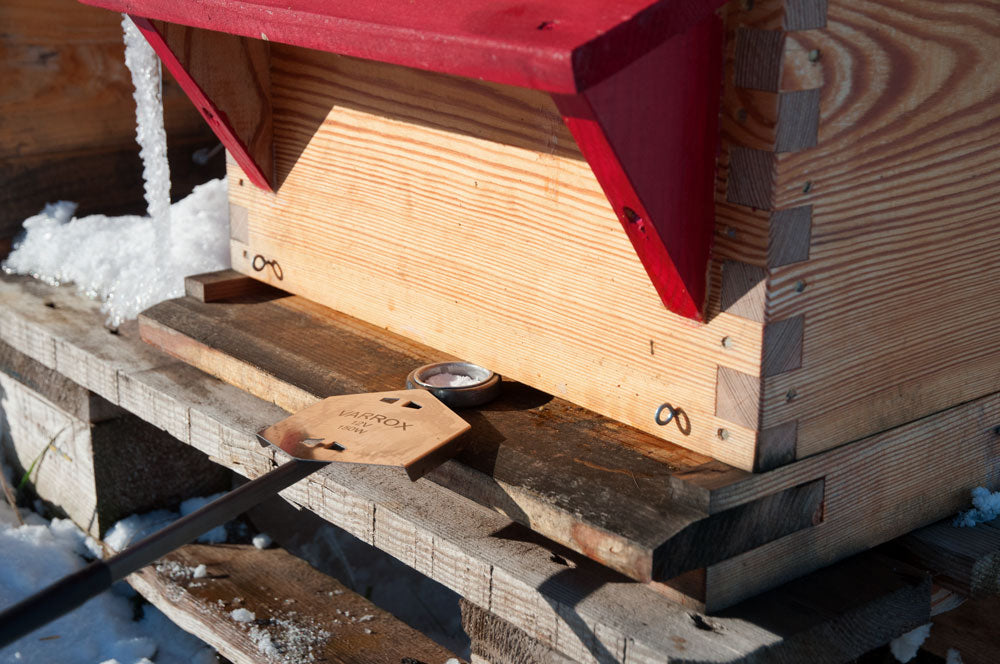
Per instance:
(225,285)
(305,614)
(472,164)
(79,467)
(898,293)
(832,615)
(627,500)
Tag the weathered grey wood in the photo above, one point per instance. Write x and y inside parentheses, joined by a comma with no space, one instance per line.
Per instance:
(98,473)
(63,393)
(965,560)
(831,616)
(308,615)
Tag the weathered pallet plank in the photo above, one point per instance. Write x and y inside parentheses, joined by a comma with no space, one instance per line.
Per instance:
(839,614)
(306,615)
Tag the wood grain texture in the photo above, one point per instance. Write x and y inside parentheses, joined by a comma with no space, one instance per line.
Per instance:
(901,186)
(798,120)
(782,346)
(776,446)
(737,398)
(964,560)
(224,285)
(233,99)
(789,235)
(476,165)
(876,489)
(80,470)
(839,613)
(647,517)
(758,59)
(308,615)
(751,177)
(68,115)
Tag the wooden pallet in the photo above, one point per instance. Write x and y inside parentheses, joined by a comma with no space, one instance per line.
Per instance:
(554,595)
(648,509)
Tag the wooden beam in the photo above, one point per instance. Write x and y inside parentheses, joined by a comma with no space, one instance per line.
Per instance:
(303,614)
(964,560)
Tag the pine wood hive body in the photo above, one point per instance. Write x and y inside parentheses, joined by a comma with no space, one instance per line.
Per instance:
(849,289)
(856,220)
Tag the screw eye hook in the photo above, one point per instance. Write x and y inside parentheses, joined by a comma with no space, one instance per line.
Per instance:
(259,263)
(671,413)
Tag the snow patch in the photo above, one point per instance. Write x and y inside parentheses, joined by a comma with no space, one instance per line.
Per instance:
(242,615)
(216,535)
(905,647)
(985,507)
(200,572)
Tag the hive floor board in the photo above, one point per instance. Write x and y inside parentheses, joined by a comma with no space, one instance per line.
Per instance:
(633,502)
(308,615)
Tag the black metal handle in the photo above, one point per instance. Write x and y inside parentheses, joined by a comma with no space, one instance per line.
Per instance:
(70,592)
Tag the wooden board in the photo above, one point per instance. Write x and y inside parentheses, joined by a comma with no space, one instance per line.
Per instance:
(306,615)
(892,283)
(69,117)
(366,153)
(639,505)
(555,595)
(839,614)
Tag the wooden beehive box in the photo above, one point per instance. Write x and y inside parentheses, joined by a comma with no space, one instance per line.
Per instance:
(530,187)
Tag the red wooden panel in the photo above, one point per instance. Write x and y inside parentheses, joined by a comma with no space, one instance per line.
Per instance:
(252,151)
(650,134)
(560,46)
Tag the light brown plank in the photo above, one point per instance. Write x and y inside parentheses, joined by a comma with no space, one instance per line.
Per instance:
(899,292)
(876,489)
(437,166)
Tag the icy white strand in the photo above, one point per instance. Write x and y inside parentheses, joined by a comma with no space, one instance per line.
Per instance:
(150,133)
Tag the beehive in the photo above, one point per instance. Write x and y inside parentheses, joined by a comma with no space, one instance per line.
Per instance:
(528,187)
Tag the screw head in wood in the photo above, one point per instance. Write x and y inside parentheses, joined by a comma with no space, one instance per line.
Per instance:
(791,394)
(800,286)
(814,55)
(727,342)
(723,434)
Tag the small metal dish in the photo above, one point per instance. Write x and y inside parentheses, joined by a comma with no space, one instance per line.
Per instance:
(482,384)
